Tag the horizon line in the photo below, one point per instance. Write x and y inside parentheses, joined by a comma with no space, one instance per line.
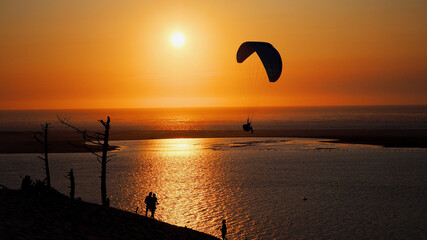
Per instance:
(286,106)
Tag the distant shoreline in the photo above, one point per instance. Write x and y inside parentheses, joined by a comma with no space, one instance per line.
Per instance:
(70,142)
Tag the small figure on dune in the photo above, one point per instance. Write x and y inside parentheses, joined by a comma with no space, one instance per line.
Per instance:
(147,202)
(153,204)
(150,204)
(248,126)
(26,184)
(223,230)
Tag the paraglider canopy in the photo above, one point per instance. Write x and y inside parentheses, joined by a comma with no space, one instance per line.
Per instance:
(269,56)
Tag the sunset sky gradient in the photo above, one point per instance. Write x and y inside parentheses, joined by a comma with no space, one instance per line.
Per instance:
(118,54)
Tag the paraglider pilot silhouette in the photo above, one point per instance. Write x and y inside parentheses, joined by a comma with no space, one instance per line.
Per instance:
(248,126)
(271,60)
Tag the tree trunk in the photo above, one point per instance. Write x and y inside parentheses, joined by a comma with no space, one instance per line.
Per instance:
(46,161)
(72,184)
(105,147)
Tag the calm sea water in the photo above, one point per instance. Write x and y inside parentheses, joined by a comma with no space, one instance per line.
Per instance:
(366,117)
(257,184)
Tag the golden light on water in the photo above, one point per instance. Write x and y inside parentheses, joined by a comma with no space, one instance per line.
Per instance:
(182,165)
(180,144)
(176,147)
(178,171)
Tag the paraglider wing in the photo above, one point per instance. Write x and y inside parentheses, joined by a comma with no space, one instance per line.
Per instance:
(269,56)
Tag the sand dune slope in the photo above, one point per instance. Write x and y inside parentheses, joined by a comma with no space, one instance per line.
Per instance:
(54,216)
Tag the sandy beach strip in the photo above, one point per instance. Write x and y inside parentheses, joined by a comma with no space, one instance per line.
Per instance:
(70,141)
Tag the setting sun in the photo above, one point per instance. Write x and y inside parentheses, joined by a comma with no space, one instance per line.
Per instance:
(177,39)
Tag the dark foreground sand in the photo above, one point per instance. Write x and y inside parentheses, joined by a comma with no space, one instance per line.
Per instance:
(69,141)
(54,216)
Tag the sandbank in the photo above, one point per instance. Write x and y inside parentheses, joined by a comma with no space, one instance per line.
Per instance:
(70,141)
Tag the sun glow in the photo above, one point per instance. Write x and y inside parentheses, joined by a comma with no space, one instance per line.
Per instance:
(178,39)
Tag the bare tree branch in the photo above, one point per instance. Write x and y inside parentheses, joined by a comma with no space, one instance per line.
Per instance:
(87,147)
(37,138)
(44,152)
(86,136)
(94,153)
(96,141)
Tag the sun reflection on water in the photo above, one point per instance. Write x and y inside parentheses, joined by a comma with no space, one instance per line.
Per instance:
(187,174)
(179,172)
(183,145)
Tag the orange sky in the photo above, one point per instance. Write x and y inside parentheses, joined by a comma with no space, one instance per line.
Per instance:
(118,54)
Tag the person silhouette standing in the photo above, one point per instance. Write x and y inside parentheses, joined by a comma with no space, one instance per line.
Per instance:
(147,201)
(223,230)
(153,206)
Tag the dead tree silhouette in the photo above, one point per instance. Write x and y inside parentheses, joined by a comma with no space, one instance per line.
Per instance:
(96,140)
(72,184)
(45,150)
